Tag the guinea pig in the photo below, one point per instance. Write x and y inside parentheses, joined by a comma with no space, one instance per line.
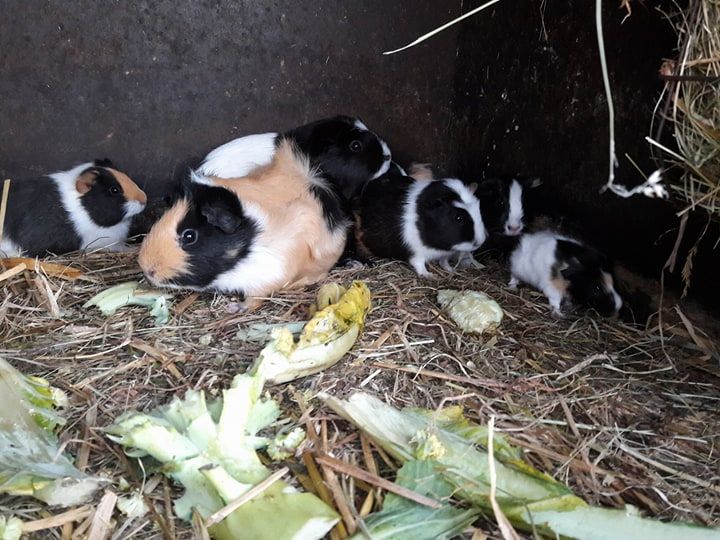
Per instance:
(565,269)
(417,221)
(278,227)
(88,207)
(342,148)
(503,202)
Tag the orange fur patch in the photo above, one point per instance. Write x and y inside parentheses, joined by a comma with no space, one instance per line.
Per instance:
(130,189)
(561,284)
(294,224)
(161,257)
(421,171)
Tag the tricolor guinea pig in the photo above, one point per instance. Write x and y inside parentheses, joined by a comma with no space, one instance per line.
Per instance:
(503,203)
(419,221)
(278,227)
(342,148)
(88,207)
(565,269)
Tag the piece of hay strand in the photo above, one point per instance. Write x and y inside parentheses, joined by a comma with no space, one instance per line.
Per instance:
(3,206)
(443,27)
(507,531)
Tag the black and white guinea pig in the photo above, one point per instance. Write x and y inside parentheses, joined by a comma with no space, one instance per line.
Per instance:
(417,221)
(270,231)
(503,203)
(88,207)
(565,269)
(344,150)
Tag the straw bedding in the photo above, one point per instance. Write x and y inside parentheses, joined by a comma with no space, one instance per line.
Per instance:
(621,414)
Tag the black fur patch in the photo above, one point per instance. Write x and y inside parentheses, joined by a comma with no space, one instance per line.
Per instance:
(583,268)
(379,220)
(494,194)
(105,202)
(35,219)
(344,154)
(104,162)
(441,224)
(224,234)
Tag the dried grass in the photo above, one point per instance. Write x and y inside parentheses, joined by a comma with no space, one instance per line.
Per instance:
(593,402)
(693,91)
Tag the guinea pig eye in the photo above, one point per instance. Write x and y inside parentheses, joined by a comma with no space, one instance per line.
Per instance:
(356,146)
(188,237)
(460,218)
(114,190)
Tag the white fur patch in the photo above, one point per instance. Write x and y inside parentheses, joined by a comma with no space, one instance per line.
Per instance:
(92,236)
(400,168)
(514,224)
(471,204)
(133,208)
(383,169)
(239,157)
(197,177)
(8,248)
(360,125)
(610,288)
(533,259)
(419,252)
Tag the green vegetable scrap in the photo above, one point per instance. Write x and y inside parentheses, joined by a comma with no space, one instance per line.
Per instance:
(30,459)
(401,518)
(130,293)
(211,450)
(530,499)
(10,528)
(325,339)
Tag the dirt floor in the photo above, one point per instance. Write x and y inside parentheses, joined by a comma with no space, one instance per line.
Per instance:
(622,414)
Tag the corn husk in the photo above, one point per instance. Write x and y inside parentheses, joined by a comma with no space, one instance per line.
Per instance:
(324,340)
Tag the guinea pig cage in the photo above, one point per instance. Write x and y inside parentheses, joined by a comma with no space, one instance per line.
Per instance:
(365,399)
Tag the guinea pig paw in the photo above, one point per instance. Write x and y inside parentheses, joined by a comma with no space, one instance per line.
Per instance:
(513,284)
(468,261)
(557,314)
(445,265)
(251,303)
(353,264)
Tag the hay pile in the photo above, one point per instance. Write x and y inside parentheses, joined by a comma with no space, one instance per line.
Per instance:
(693,94)
(618,413)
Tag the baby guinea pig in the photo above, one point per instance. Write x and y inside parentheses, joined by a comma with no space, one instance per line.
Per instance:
(255,235)
(418,221)
(88,207)
(565,269)
(503,203)
(342,148)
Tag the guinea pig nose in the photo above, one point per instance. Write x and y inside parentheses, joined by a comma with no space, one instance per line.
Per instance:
(514,229)
(150,273)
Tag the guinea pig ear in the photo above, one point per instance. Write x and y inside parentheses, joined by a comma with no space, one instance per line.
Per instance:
(473,187)
(85,181)
(531,183)
(488,188)
(221,217)
(571,267)
(104,162)
(220,208)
